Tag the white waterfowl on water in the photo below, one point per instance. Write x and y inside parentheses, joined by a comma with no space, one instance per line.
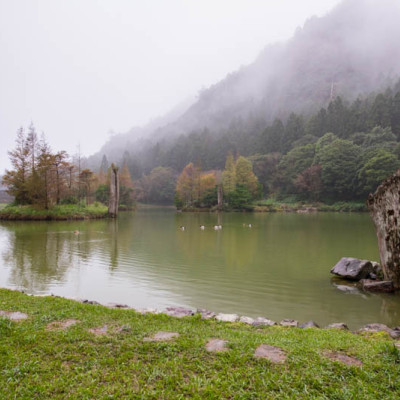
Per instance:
(182,228)
(202,227)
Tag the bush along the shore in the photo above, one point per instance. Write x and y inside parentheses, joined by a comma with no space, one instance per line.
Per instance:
(57,348)
(58,212)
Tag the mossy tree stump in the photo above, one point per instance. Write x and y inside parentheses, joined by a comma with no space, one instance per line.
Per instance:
(384,207)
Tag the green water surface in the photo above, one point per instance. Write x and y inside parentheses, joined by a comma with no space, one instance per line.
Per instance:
(278,268)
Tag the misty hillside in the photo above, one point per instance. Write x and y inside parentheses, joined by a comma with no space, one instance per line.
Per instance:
(351,51)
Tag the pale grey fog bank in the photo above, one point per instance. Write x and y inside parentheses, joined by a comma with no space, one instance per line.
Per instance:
(80,69)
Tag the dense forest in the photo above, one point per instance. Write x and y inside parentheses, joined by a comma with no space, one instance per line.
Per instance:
(317,116)
(342,152)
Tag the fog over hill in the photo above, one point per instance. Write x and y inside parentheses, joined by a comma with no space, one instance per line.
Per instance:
(351,51)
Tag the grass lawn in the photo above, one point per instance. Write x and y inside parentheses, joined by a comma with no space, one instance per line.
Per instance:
(41,363)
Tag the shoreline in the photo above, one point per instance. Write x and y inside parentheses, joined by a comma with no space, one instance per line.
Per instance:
(179,312)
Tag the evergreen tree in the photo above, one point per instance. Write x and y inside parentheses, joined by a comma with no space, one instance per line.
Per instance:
(229,175)
(245,176)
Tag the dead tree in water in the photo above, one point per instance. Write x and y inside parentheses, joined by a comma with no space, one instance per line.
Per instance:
(114,192)
(384,207)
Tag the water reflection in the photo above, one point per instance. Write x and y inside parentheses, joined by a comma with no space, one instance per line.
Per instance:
(278,268)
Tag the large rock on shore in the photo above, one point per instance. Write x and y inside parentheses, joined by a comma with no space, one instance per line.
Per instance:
(353,268)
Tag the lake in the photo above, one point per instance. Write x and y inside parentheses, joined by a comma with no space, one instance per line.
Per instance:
(278,268)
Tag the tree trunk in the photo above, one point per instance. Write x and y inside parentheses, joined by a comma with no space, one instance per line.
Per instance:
(384,207)
(114,192)
(220,196)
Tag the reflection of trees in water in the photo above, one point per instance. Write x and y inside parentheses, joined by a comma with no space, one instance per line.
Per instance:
(39,254)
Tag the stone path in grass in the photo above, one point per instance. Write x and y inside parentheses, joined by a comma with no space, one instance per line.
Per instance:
(161,336)
(100,331)
(216,345)
(273,354)
(61,325)
(14,315)
(343,358)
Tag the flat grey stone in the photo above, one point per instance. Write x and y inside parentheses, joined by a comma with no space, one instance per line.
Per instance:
(395,334)
(61,325)
(99,331)
(227,317)
(161,336)
(261,321)
(178,312)
(216,345)
(206,314)
(352,268)
(147,311)
(14,315)
(289,322)
(274,354)
(309,324)
(247,320)
(343,358)
(338,325)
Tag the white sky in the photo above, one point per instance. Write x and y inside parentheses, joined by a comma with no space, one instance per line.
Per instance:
(80,68)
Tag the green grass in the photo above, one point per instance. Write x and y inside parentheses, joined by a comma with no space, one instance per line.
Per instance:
(3,205)
(74,364)
(271,205)
(60,212)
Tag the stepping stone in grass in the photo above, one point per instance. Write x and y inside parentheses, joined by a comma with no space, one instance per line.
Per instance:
(274,354)
(123,329)
(100,331)
(61,325)
(343,358)
(161,336)
(14,315)
(216,345)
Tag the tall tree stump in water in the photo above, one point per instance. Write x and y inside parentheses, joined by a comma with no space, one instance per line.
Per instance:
(114,192)
(384,207)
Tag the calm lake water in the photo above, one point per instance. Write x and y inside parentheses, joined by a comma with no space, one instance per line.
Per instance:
(279,268)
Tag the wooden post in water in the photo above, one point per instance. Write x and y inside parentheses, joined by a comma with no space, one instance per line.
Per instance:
(114,192)
(384,207)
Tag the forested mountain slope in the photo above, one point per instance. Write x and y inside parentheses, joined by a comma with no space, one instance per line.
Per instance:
(350,52)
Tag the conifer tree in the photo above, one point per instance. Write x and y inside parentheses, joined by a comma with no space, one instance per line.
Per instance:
(229,175)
